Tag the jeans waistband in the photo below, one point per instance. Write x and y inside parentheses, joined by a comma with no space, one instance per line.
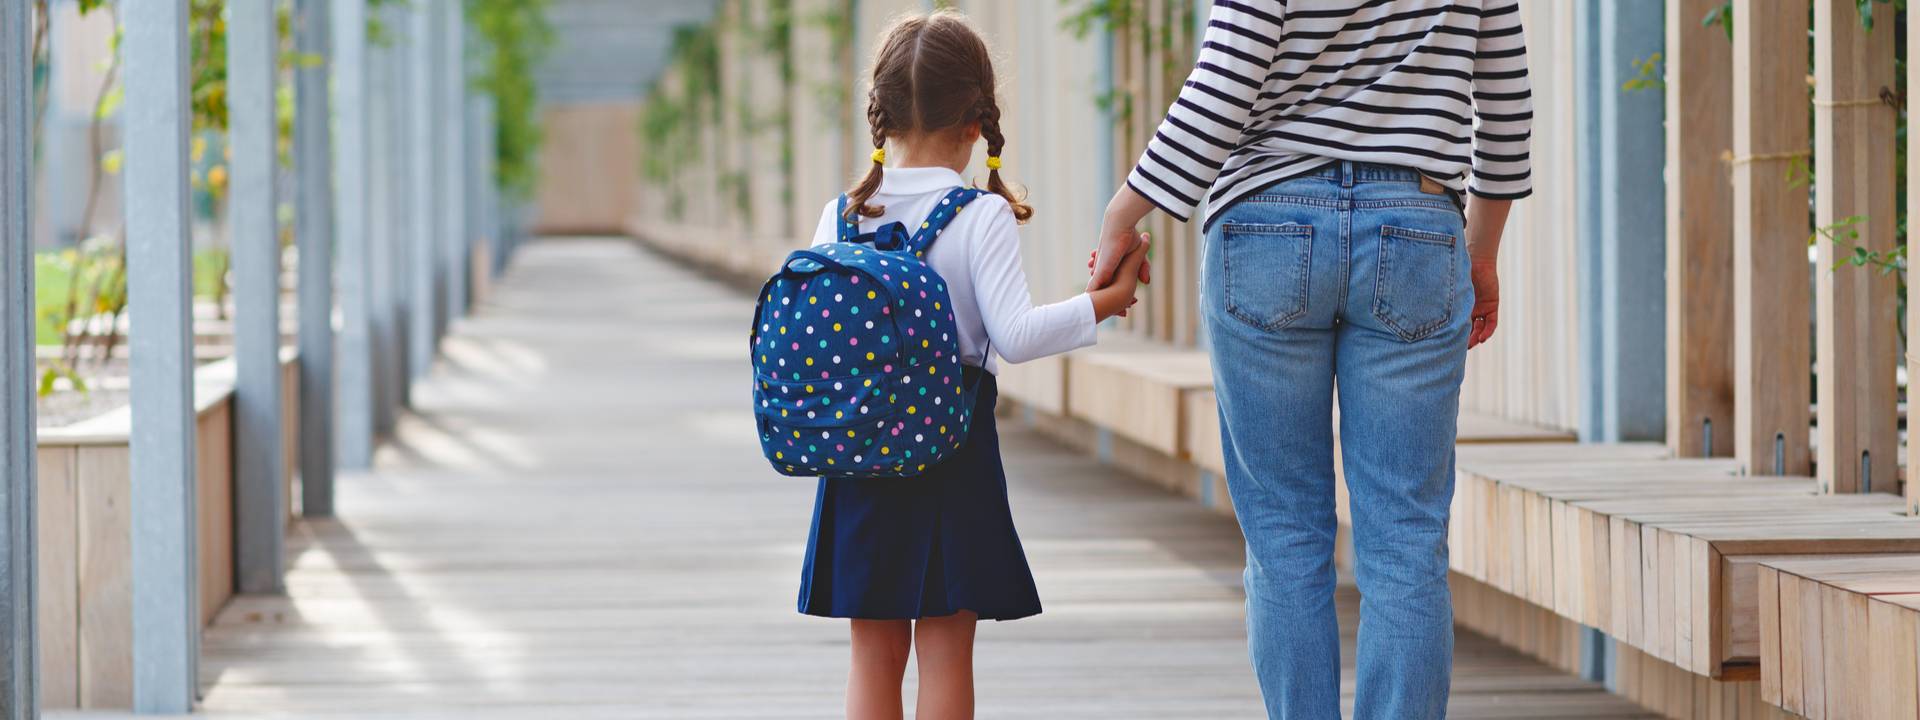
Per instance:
(1364,172)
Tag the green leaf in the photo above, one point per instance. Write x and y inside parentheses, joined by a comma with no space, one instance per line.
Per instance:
(47,380)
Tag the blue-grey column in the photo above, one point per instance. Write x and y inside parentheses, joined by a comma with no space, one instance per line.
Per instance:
(19,658)
(453,158)
(166,603)
(384,233)
(1623,227)
(352,196)
(424,58)
(259,455)
(317,214)
(405,232)
(486,216)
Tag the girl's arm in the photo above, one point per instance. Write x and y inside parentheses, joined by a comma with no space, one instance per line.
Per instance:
(1021,331)
(1202,127)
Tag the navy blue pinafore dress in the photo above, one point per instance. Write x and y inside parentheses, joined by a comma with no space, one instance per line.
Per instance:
(926,546)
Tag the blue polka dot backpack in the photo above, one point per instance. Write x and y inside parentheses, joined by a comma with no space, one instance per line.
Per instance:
(856,359)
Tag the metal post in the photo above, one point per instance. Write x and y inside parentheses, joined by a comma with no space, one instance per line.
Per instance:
(19,658)
(453,157)
(352,196)
(166,603)
(424,59)
(259,454)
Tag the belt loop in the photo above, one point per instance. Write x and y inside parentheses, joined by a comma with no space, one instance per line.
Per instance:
(1346,173)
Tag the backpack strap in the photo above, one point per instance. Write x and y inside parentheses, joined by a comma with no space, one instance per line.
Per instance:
(848,230)
(943,214)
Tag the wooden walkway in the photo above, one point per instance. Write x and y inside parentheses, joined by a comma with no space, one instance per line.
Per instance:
(578,524)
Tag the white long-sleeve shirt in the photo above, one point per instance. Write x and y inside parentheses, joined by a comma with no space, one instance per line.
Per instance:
(1282,87)
(979,256)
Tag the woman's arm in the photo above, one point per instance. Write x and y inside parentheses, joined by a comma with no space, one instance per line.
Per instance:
(1502,165)
(1200,129)
(1486,220)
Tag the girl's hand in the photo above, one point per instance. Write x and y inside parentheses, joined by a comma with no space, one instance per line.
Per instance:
(1486,301)
(1145,275)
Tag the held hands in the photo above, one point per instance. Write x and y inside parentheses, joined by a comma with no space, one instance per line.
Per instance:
(1117,239)
(1130,271)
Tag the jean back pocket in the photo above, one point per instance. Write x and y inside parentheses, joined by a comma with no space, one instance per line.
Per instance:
(1264,272)
(1417,281)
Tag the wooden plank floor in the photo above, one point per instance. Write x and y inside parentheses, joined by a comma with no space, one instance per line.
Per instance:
(578,524)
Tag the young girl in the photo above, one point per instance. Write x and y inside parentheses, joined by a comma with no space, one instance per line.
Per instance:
(924,558)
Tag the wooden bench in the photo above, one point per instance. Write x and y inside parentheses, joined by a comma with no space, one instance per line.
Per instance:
(1838,635)
(1662,554)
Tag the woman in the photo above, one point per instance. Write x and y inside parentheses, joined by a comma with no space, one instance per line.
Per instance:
(1359,160)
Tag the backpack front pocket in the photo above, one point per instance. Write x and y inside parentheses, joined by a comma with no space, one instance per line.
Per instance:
(1264,272)
(1417,281)
(825,403)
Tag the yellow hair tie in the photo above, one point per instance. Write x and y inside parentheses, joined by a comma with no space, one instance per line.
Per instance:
(993,162)
(880,155)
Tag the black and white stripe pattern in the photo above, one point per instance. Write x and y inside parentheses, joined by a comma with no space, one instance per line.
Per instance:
(1284,86)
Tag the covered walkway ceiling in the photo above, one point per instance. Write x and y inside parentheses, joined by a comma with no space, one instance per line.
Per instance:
(610,50)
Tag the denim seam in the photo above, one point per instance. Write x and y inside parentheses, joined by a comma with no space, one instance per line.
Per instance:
(1298,200)
(1406,203)
(1302,270)
(1425,236)
(1382,307)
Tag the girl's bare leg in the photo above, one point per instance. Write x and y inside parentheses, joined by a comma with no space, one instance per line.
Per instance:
(946,666)
(880,649)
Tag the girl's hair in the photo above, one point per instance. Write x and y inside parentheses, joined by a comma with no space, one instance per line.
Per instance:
(932,72)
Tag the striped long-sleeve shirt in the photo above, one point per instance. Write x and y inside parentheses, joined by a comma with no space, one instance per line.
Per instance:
(1285,86)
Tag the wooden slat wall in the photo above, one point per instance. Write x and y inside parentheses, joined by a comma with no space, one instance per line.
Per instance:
(1699,66)
(1913,279)
(58,582)
(1769,240)
(821,147)
(1530,370)
(1056,144)
(1856,341)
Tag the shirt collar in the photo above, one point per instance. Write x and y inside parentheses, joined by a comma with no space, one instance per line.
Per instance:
(918,180)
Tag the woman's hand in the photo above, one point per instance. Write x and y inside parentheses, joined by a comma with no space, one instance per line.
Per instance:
(1486,301)
(1486,219)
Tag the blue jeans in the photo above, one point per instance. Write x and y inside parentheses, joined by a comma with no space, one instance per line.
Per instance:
(1349,275)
